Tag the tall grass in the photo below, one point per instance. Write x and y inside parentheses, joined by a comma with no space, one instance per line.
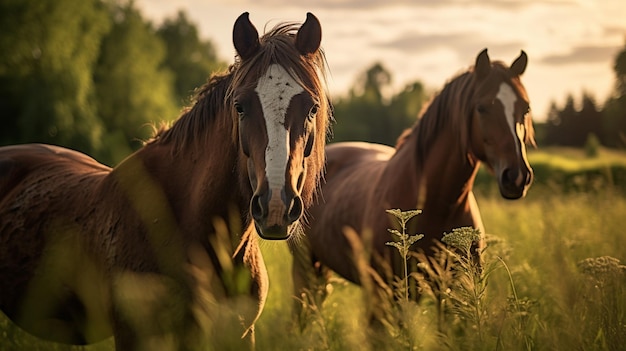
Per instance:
(554,279)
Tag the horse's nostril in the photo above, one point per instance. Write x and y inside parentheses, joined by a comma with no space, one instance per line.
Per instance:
(509,176)
(256,208)
(295,209)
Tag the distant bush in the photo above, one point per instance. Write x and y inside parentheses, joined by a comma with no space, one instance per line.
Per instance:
(571,171)
(592,146)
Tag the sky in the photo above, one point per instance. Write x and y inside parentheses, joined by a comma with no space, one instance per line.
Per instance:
(571,44)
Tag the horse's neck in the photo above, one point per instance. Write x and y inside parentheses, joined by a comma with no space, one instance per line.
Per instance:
(198,186)
(442,175)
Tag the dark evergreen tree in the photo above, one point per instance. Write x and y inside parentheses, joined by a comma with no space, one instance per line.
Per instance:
(615,107)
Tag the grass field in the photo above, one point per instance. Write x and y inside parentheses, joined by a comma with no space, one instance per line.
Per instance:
(554,282)
(541,239)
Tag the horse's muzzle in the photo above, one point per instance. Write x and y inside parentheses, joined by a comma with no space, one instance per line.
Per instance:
(514,182)
(273,212)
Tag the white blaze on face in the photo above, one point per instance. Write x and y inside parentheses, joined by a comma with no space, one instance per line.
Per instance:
(507,97)
(275,89)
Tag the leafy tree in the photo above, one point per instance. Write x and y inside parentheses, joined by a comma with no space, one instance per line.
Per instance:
(367,115)
(47,51)
(371,84)
(134,89)
(192,60)
(405,108)
(615,107)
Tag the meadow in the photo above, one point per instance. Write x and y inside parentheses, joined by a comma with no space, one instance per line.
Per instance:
(554,278)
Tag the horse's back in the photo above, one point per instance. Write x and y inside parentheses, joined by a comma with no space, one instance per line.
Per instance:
(44,190)
(344,155)
(352,172)
(19,162)
(352,168)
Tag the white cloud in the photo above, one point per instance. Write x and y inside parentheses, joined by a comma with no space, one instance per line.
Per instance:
(570,43)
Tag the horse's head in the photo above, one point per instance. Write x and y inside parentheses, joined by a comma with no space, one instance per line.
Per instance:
(501,123)
(282,110)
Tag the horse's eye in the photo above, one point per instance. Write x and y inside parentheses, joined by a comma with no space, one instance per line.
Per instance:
(239,110)
(482,109)
(313,111)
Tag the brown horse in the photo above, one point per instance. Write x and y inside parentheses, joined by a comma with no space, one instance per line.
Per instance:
(481,115)
(140,251)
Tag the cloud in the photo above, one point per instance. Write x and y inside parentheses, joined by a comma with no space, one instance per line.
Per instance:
(615,30)
(465,44)
(373,4)
(586,54)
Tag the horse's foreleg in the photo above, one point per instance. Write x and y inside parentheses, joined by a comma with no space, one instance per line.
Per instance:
(152,312)
(310,279)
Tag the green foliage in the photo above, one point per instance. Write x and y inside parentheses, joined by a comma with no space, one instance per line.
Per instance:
(369,114)
(592,146)
(570,170)
(133,89)
(93,75)
(46,71)
(404,244)
(615,120)
(614,113)
(190,58)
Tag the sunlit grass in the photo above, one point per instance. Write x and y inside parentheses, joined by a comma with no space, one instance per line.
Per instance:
(543,293)
(536,296)
(570,159)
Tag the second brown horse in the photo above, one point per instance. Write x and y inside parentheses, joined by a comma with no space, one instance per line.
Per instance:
(480,116)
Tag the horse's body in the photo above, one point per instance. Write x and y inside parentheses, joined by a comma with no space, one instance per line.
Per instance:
(140,251)
(480,116)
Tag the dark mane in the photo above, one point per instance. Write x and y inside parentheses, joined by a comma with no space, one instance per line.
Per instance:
(448,109)
(451,108)
(208,103)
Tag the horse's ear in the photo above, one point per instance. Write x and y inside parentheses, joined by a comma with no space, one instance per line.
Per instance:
(483,65)
(519,65)
(309,35)
(245,37)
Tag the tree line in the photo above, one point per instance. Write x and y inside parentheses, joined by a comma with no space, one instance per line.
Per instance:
(94,75)
(578,123)
(366,115)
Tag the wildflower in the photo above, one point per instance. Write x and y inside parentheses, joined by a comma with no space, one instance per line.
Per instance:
(462,238)
(404,216)
(403,245)
(601,265)
(405,240)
